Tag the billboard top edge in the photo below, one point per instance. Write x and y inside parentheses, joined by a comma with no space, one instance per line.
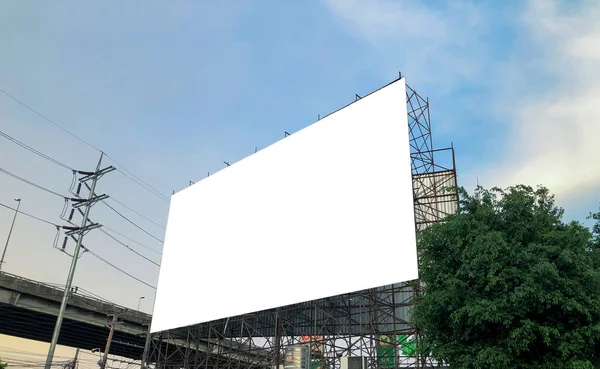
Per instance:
(362,97)
(327,115)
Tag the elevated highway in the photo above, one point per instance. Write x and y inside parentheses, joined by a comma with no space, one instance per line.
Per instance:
(28,309)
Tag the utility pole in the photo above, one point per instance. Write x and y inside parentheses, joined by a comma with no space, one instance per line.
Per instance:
(81,231)
(144,363)
(113,323)
(10,232)
(74,363)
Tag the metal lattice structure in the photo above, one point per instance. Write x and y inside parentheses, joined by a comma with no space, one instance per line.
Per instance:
(373,323)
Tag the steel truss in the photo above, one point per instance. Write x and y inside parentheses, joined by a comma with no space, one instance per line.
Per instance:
(354,324)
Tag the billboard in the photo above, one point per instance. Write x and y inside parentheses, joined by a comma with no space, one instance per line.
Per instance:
(314,215)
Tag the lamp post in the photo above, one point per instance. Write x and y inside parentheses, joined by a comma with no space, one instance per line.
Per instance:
(97,350)
(10,231)
(140,301)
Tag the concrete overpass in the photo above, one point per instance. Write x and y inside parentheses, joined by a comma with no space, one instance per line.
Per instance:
(28,309)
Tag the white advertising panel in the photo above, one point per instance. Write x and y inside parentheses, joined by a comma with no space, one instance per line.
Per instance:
(325,211)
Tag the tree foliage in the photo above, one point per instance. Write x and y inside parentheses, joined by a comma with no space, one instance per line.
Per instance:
(3,365)
(596,238)
(508,284)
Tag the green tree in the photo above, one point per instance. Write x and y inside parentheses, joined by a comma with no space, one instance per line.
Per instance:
(508,284)
(3,365)
(596,238)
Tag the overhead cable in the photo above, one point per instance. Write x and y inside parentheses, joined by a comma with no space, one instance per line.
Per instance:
(138,213)
(127,173)
(130,221)
(29,215)
(85,248)
(31,183)
(38,153)
(64,197)
(48,119)
(128,248)
(117,268)
(131,239)
(132,177)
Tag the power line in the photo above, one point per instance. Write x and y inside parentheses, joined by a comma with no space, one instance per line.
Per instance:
(24,352)
(31,183)
(130,221)
(29,215)
(125,245)
(17,351)
(117,268)
(128,174)
(140,214)
(123,170)
(38,153)
(129,248)
(131,239)
(85,248)
(64,197)
(48,120)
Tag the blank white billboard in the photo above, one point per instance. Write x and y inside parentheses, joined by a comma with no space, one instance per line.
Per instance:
(326,211)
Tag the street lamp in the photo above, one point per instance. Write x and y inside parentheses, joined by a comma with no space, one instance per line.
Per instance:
(18,200)
(140,301)
(97,350)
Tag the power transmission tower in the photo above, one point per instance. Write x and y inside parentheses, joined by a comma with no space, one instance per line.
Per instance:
(80,232)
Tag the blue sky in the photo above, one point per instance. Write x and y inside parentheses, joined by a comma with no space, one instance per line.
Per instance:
(171,89)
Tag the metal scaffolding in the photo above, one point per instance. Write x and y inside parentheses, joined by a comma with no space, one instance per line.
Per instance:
(373,323)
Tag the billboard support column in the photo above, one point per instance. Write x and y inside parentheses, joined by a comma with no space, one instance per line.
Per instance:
(395,347)
(277,340)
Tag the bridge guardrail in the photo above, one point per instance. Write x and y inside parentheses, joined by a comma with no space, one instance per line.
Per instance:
(75,292)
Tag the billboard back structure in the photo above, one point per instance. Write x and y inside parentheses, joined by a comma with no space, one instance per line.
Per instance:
(339,190)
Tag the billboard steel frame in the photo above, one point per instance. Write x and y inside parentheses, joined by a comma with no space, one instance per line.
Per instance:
(352,324)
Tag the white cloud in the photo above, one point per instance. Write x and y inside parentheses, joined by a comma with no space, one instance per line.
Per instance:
(544,91)
(434,44)
(554,131)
